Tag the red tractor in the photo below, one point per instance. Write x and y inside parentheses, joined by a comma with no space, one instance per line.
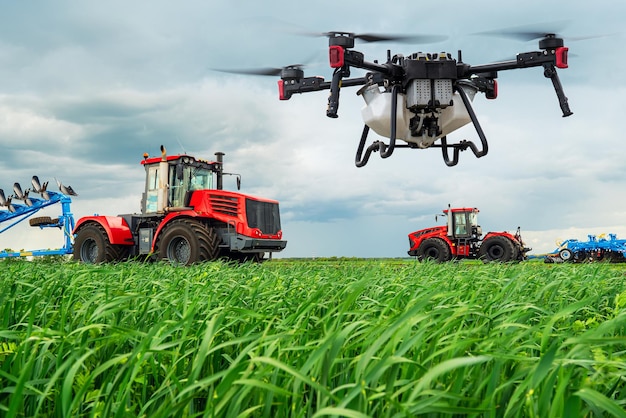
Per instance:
(461,238)
(185,218)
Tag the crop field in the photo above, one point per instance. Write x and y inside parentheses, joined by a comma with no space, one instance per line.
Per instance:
(312,338)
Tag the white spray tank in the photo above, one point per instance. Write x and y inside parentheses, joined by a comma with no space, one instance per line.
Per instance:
(377,113)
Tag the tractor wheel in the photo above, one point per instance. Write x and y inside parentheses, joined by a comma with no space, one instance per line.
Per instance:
(92,246)
(566,254)
(43,220)
(434,249)
(497,248)
(187,241)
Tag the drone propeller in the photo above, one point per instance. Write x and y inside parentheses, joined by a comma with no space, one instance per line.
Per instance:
(253,71)
(538,31)
(384,37)
(265,71)
(527,32)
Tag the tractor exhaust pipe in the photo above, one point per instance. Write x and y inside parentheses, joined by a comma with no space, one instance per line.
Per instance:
(220,169)
(163,186)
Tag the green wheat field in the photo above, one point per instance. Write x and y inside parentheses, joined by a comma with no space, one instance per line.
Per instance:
(312,338)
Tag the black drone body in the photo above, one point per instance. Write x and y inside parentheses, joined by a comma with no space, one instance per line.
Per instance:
(419,98)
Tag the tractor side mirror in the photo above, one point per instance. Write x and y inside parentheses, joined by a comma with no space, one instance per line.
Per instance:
(238,182)
(179,171)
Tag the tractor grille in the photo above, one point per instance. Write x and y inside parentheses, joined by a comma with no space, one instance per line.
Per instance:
(225,204)
(263,215)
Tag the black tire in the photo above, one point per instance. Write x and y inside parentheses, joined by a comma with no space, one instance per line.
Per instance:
(92,246)
(187,241)
(498,248)
(566,254)
(43,220)
(434,249)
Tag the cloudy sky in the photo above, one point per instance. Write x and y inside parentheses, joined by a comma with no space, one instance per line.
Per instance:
(87,87)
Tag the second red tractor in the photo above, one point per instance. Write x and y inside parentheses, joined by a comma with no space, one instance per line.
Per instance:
(461,238)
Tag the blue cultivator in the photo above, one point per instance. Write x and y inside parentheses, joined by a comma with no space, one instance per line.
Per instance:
(29,206)
(595,249)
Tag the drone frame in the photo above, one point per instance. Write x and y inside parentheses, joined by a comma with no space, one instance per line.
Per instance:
(397,72)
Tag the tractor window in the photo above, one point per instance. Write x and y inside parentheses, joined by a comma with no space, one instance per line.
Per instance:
(473,219)
(460,224)
(151,189)
(177,187)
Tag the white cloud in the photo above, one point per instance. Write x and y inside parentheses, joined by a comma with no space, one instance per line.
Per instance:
(26,128)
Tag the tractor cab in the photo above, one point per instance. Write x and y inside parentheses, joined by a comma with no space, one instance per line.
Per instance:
(171,179)
(463,223)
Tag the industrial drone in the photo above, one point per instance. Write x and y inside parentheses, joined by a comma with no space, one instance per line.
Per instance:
(430,94)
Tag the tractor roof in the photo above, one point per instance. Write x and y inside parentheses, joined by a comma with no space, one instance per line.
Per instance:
(189,158)
(461,210)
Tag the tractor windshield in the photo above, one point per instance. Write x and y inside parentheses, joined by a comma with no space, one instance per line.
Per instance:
(187,178)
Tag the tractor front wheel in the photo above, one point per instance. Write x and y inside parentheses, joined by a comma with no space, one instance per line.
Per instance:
(187,241)
(434,249)
(92,246)
(497,248)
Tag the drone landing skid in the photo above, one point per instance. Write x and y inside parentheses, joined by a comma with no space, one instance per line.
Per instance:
(387,149)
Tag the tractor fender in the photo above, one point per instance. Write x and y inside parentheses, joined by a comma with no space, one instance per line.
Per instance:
(168,218)
(116,228)
(416,238)
(502,234)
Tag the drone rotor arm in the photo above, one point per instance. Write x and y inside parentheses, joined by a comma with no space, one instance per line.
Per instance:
(550,59)
(558,57)
(311,84)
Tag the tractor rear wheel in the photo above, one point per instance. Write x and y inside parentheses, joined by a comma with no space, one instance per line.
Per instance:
(497,248)
(92,246)
(187,241)
(434,249)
